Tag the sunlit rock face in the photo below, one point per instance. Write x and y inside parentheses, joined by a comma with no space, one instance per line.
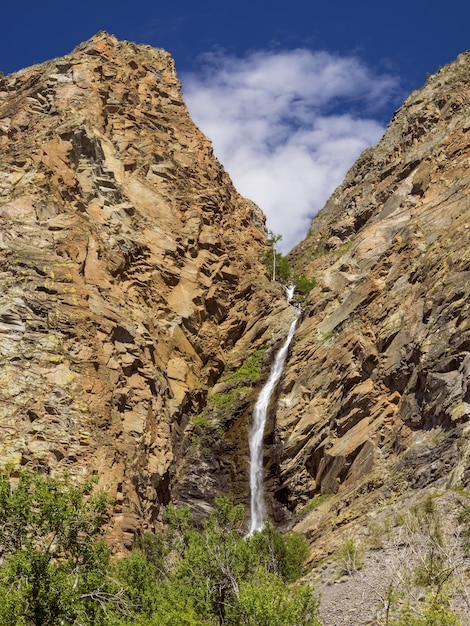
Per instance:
(376,394)
(138,323)
(129,270)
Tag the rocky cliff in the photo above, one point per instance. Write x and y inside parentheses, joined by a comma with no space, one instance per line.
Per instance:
(130,272)
(376,399)
(137,322)
(374,412)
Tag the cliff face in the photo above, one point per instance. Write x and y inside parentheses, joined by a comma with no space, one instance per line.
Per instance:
(137,322)
(376,398)
(129,271)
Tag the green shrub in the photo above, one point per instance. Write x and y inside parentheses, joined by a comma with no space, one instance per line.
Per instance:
(314,503)
(431,570)
(433,613)
(304,285)
(56,569)
(249,372)
(232,578)
(350,557)
(54,565)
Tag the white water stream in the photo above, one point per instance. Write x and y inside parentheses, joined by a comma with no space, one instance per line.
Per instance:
(257,433)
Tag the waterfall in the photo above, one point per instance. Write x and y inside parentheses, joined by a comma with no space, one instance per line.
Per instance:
(257,432)
(290,289)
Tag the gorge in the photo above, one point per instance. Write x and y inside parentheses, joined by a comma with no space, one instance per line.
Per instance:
(139,323)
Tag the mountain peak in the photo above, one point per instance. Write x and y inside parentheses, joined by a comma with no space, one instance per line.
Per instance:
(129,271)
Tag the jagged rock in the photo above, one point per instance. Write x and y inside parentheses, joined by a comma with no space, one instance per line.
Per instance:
(129,268)
(378,379)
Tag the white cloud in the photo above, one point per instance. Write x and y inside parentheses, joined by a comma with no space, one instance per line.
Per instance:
(286,126)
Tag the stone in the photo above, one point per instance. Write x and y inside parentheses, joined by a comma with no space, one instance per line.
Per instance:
(381,355)
(125,256)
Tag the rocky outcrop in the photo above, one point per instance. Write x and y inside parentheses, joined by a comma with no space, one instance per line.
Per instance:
(137,323)
(376,393)
(129,271)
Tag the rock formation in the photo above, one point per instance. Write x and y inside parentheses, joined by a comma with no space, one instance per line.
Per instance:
(376,398)
(130,269)
(138,323)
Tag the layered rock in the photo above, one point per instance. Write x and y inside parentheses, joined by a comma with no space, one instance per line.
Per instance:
(137,323)
(129,270)
(376,395)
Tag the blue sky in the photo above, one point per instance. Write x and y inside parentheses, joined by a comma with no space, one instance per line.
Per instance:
(289,92)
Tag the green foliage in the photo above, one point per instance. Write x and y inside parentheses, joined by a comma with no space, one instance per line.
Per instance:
(422,588)
(314,503)
(225,399)
(201,421)
(172,606)
(230,579)
(304,285)
(265,600)
(279,268)
(433,613)
(248,372)
(54,564)
(141,571)
(350,557)
(282,267)
(276,263)
(56,569)
(433,569)
(285,554)
(179,519)
(236,384)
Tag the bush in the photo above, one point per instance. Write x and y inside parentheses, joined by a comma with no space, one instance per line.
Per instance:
(303,284)
(232,578)
(430,575)
(265,600)
(55,567)
(433,613)
(350,557)
(54,564)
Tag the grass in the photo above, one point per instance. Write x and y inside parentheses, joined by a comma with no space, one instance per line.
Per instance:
(314,503)
(248,372)
(201,421)
(207,424)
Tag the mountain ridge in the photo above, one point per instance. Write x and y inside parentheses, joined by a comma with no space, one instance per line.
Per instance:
(128,268)
(138,320)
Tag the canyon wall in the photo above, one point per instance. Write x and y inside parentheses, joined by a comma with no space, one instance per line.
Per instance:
(138,322)
(130,270)
(376,398)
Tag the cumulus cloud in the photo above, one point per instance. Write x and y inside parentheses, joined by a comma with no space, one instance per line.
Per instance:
(287,125)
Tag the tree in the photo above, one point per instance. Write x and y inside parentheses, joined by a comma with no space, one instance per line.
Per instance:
(277,263)
(55,568)
(266,600)
(231,577)
(54,565)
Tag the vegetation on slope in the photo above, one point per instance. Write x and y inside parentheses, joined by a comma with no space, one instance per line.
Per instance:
(280,269)
(55,567)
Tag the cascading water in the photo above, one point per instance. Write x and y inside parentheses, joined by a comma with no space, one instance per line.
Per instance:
(257,434)
(290,289)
